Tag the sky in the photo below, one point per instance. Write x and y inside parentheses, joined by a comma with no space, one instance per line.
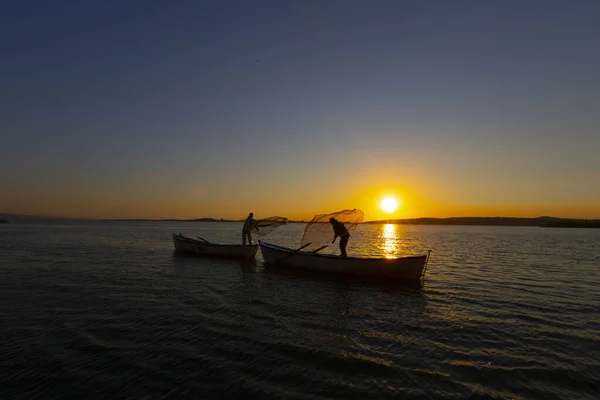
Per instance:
(189,109)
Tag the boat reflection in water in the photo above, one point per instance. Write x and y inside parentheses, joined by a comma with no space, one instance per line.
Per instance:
(375,282)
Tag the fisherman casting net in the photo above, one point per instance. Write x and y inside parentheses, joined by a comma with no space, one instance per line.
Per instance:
(268,225)
(319,231)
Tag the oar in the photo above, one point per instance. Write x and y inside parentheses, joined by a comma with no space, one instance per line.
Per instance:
(319,249)
(292,253)
(204,240)
(426,263)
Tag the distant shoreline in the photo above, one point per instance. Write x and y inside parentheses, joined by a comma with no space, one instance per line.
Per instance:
(546,222)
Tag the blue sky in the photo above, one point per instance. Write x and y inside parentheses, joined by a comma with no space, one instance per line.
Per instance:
(207,108)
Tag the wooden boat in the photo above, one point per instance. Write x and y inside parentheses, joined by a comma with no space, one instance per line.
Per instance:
(205,248)
(403,268)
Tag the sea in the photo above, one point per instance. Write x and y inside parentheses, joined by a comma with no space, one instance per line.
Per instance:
(108,310)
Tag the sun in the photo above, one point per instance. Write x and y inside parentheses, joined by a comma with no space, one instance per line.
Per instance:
(388,204)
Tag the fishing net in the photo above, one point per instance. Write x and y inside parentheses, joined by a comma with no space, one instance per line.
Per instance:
(268,225)
(319,231)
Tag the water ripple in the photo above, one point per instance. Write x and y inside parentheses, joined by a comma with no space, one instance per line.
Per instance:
(106,310)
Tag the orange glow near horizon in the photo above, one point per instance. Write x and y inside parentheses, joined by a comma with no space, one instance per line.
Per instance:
(414,202)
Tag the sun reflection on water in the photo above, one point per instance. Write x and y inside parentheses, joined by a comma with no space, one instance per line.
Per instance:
(390,241)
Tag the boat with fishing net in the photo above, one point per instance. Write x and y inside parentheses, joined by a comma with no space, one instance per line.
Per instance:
(402,268)
(203,247)
(318,234)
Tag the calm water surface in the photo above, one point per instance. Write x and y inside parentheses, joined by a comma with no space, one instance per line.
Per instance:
(106,310)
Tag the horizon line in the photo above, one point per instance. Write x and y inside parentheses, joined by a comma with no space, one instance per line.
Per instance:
(7,215)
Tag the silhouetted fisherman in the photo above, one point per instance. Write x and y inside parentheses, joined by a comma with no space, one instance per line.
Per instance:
(248,225)
(340,230)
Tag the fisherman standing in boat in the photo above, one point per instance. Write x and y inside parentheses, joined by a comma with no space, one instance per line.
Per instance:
(248,225)
(340,230)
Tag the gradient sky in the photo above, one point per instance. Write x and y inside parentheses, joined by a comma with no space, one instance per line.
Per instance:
(184,109)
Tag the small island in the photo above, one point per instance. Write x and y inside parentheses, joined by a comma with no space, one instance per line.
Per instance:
(3,221)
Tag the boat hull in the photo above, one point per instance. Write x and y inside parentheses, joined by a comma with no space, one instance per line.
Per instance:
(206,249)
(403,268)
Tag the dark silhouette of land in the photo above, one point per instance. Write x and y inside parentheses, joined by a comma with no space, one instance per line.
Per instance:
(3,221)
(546,222)
(586,223)
(178,220)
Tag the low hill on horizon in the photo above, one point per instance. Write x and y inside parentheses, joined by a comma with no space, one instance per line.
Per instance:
(543,221)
